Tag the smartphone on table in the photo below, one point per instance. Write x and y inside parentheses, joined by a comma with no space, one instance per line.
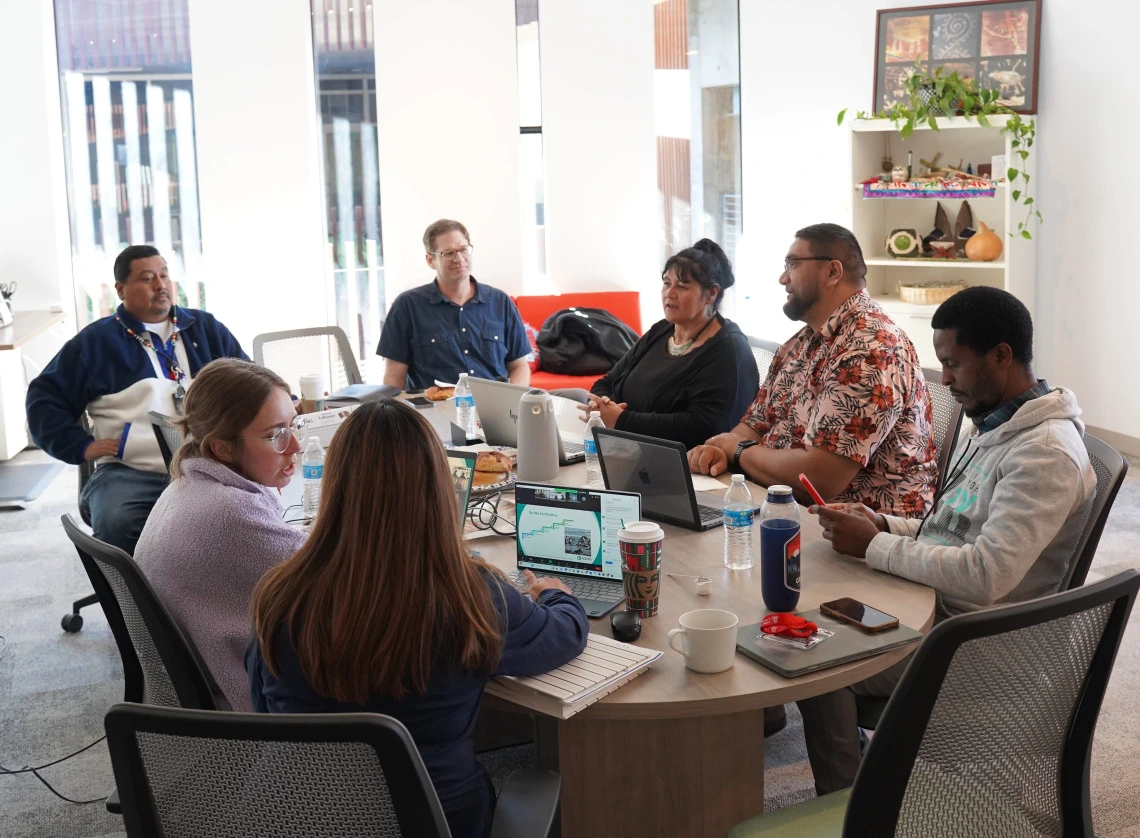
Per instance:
(420,401)
(855,613)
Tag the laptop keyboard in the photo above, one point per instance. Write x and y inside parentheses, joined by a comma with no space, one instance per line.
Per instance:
(583,587)
(709,514)
(572,448)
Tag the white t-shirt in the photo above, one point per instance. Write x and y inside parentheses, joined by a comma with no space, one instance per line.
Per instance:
(164,329)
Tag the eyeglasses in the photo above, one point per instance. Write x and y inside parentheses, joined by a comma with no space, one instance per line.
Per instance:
(279,438)
(790,261)
(449,255)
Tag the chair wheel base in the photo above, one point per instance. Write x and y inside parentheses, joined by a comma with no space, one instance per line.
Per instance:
(72,622)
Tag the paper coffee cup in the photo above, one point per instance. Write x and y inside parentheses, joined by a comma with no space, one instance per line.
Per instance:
(640,544)
(312,392)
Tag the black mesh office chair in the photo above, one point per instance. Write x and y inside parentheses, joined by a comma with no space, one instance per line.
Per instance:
(947,421)
(990,730)
(196,774)
(1111,468)
(168,436)
(298,352)
(159,664)
(73,620)
(764,351)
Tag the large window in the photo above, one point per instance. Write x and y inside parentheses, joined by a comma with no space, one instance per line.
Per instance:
(697,99)
(530,146)
(346,92)
(128,123)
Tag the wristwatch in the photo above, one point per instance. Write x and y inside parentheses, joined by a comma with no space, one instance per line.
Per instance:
(744,443)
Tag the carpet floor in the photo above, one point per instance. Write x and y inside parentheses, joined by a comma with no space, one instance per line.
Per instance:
(55,687)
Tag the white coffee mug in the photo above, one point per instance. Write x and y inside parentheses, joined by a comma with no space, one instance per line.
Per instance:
(708,639)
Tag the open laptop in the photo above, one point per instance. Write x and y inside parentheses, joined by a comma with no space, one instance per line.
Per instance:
(461,464)
(497,404)
(572,534)
(658,470)
(846,644)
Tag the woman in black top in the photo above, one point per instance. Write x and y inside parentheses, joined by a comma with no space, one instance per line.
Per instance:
(692,375)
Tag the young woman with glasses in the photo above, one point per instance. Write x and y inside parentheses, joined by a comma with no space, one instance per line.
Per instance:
(383,611)
(218,526)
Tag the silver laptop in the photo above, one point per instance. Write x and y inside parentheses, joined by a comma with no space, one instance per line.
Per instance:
(846,644)
(657,469)
(497,404)
(572,534)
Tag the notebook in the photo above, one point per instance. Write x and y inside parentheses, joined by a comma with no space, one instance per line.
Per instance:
(845,645)
(604,666)
(359,393)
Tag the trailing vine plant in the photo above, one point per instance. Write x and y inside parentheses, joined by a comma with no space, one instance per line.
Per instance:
(931,95)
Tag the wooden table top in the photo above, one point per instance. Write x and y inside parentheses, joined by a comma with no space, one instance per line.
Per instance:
(668,689)
(26,325)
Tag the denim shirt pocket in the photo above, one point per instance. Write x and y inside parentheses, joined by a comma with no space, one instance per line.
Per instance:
(493,348)
(435,351)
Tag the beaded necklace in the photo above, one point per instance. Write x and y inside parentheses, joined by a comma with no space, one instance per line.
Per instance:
(679,349)
(166,354)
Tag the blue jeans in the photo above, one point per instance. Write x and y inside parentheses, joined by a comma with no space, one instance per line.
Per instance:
(118,499)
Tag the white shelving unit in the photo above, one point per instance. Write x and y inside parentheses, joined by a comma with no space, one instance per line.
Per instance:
(872,219)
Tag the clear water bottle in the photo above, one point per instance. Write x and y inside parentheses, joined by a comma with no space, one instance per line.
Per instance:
(738,511)
(312,470)
(780,550)
(593,467)
(465,407)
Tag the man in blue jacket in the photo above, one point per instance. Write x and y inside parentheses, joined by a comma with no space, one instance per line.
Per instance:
(139,359)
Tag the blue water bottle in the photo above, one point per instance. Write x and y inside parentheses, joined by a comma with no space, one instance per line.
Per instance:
(780,550)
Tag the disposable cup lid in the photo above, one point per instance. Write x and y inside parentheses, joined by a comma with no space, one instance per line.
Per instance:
(641,532)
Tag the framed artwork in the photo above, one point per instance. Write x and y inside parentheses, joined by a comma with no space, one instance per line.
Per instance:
(993,43)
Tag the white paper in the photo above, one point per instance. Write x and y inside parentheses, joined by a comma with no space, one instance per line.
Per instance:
(705,483)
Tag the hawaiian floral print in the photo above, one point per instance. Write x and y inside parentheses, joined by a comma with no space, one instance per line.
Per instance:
(855,389)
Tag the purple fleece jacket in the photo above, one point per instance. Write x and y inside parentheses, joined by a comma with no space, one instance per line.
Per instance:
(207,542)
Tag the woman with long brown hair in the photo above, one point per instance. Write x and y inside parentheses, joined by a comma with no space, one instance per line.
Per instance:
(382,610)
(218,526)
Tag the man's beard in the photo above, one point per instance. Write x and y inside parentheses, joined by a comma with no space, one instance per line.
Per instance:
(796,307)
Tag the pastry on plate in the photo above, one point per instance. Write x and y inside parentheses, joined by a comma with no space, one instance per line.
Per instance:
(493,461)
(439,394)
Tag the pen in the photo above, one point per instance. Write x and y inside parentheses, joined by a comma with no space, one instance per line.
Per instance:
(815,496)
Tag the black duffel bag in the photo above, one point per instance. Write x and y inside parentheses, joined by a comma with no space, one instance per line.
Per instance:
(583,341)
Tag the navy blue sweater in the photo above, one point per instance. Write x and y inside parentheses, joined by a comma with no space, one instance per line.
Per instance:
(538,637)
(107,372)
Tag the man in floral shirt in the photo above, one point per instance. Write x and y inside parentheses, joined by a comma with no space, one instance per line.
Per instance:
(845,401)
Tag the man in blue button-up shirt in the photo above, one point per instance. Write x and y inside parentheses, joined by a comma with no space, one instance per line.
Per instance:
(453,324)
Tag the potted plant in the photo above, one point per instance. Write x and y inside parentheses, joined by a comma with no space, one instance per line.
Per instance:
(930,95)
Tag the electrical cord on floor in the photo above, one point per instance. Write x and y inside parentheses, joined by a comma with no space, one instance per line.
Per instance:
(4,647)
(35,772)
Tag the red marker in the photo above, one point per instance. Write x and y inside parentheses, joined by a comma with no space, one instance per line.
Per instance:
(815,496)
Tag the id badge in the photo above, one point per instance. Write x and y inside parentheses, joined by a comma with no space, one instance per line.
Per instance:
(817,637)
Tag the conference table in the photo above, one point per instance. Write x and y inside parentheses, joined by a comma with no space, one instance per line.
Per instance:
(673,752)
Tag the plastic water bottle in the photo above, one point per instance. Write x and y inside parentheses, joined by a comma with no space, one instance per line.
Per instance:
(593,467)
(312,470)
(465,407)
(780,550)
(738,511)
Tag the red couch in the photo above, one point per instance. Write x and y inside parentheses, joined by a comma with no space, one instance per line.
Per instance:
(624,305)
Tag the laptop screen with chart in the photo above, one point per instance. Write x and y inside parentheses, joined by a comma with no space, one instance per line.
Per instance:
(571,530)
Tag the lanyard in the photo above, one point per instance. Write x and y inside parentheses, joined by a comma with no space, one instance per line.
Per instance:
(167,355)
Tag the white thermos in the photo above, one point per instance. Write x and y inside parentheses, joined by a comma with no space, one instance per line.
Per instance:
(538,438)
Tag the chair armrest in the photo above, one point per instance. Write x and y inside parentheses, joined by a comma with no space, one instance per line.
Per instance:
(527,804)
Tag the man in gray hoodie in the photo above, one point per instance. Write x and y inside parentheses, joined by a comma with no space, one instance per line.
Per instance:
(1007,521)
